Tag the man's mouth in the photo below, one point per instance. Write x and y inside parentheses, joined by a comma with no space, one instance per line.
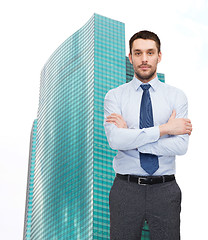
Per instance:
(144,67)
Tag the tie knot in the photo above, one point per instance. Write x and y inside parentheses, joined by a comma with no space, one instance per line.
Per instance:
(145,87)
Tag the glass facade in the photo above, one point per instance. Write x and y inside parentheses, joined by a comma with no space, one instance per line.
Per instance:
(30,183)
(63,182)
(129,70)
(73,161)
(161,77)
(109,72)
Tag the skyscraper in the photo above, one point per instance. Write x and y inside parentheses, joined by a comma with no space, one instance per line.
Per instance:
(73,170)
(30,182)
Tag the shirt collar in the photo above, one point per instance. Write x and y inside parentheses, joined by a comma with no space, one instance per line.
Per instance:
(154,83)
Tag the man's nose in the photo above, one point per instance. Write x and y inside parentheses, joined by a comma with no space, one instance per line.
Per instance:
(144,57)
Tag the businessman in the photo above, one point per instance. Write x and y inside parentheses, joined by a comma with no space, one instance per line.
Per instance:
(146,121)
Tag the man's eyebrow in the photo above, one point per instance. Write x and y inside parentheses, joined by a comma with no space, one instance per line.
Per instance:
(139,50)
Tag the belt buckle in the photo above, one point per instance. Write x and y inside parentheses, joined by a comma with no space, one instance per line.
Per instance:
(139,181)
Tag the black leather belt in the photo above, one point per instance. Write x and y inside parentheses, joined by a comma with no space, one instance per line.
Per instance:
(149,180)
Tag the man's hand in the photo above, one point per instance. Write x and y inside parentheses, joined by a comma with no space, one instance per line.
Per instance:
(176,126)
(116,119)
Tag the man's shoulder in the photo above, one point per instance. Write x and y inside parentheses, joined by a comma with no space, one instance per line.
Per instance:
(119,90)
(171,89)
(173,92)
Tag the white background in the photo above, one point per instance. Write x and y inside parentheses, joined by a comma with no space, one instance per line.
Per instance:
(31,30)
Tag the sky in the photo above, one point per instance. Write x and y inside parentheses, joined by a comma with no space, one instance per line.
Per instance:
(32,30)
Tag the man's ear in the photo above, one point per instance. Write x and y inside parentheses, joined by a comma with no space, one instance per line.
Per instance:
(130,58)
(159,57)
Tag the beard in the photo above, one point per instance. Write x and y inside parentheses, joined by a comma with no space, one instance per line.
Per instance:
(143,76)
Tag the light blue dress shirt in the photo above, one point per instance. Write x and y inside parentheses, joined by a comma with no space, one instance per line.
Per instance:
(125,100)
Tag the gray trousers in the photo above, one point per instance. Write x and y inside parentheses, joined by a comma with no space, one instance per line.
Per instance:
(131,204)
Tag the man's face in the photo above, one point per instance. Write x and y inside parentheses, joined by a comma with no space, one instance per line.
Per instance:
(144,58)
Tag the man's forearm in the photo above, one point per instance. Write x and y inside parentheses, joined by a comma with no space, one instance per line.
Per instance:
(127,139)
(170,146)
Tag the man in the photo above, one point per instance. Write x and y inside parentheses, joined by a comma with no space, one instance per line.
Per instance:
(146,121)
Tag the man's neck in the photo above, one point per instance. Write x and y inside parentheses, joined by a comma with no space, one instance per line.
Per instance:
(146,80)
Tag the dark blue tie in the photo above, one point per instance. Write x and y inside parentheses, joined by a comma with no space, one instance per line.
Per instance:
(149,162)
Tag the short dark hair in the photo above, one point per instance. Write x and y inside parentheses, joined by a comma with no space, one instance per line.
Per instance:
(145,35)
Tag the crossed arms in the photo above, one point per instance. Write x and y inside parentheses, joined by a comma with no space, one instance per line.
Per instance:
(147,140)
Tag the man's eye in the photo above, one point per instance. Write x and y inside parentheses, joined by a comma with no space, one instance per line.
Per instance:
(150,53)
(138,53)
